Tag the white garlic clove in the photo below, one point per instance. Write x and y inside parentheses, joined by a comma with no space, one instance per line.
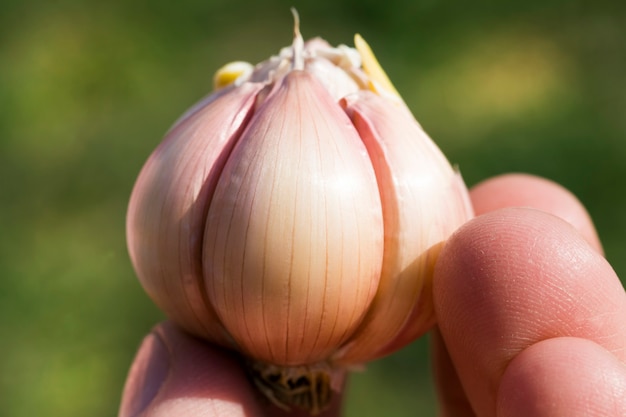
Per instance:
(422,317)
(421,198)
(294,236)
(167,210)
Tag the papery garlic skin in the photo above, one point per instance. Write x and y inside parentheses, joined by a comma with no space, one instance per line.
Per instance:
(295,215)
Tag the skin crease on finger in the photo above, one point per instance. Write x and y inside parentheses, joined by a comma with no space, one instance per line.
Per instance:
(525,276)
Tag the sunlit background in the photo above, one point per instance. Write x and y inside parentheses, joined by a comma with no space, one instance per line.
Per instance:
(88,88)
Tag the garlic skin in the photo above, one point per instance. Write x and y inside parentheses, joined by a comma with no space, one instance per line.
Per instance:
(295,215)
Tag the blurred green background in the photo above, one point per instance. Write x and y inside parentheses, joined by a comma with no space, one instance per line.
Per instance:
(88,88)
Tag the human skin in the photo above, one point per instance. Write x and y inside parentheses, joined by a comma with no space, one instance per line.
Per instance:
(531,322)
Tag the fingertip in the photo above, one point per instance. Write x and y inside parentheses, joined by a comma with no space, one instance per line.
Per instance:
(147,374)
(192,379)
(174,374)
(563,377)
(525,190)
(512,277)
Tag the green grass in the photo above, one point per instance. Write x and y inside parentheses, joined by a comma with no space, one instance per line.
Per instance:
(87,89)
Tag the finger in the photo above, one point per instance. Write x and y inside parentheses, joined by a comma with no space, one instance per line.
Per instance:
(508,190)
(563,377)
(524,190)
(175,375)
(511,278)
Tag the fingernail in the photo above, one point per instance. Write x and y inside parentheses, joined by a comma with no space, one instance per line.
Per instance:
(146,376)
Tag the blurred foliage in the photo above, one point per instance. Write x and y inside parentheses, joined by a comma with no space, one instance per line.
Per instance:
(88,88)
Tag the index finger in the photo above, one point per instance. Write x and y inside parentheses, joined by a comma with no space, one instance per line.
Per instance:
(513,277)
(508,190)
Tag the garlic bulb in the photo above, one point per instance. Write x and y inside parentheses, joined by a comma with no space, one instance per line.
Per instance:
(295,215)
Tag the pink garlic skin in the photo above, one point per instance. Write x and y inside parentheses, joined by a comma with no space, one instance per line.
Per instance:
(295,216)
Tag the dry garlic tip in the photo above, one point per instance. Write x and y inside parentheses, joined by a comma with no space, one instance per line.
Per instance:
(295,216)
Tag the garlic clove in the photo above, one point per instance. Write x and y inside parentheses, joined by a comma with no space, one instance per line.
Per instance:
(168,205)
(420,196)
(294,235)
(422,317)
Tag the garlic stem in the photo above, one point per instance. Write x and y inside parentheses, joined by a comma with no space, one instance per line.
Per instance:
(297,62)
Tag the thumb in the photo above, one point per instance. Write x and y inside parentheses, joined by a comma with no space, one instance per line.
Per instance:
(176,375)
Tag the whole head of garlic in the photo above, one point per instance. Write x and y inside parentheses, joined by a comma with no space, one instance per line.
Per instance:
(295,216)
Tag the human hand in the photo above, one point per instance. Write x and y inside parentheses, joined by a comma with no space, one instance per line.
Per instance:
(531,323)
(532,319)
